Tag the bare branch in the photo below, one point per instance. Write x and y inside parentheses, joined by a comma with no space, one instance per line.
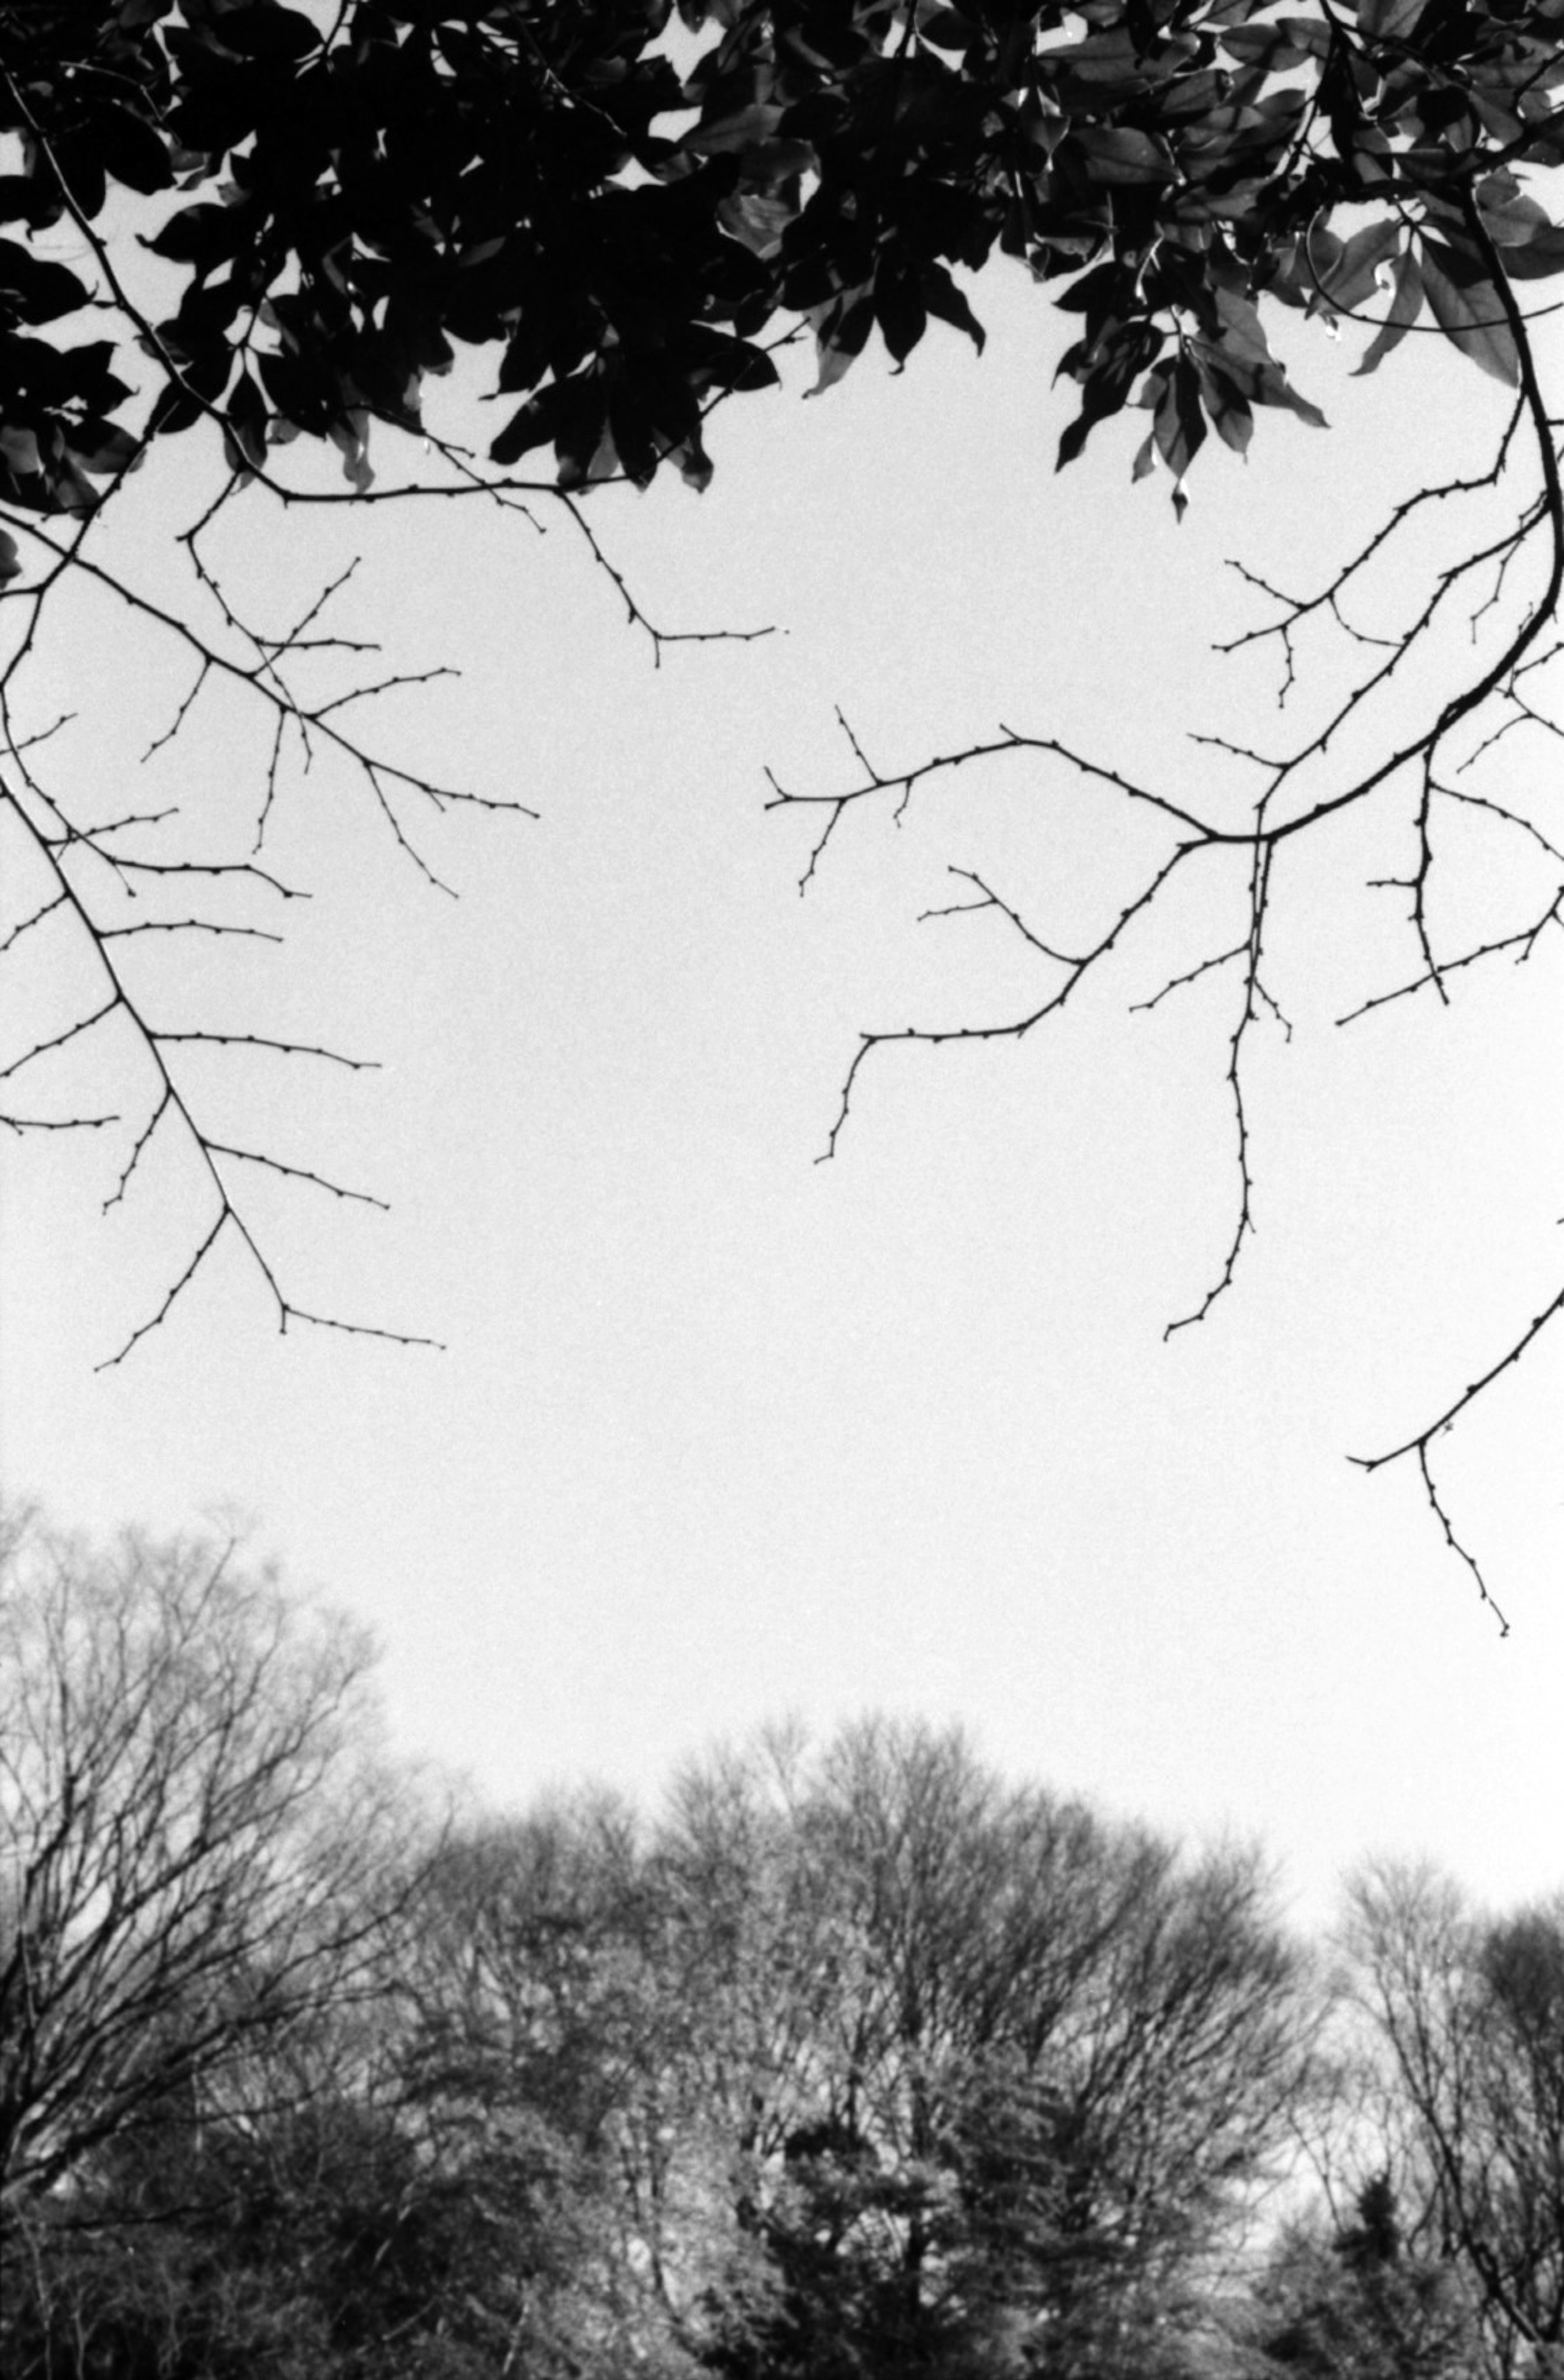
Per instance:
(633,611)
(21,1124)
(263,1041)
(1512,1354)
(298,1173)
(188,926)
(1243,1221)
(1524,648)
(1014,1028)
(36,917)
(58,1040)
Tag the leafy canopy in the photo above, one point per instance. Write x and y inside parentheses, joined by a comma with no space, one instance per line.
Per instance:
(351,194)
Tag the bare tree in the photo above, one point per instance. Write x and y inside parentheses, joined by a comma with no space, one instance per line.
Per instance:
(548,2059)
(994,2065)
(1467,2013)
(198,1843)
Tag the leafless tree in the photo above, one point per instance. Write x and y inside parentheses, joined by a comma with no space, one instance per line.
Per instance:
(988,2058)
(548,2056)
(1467,2015)
(199,1845)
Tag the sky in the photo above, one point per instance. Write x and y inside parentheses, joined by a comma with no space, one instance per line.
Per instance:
(718,1432)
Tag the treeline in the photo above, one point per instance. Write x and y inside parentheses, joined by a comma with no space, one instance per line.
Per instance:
(855,2062)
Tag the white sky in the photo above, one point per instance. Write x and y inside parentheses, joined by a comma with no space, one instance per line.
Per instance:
(721,1433)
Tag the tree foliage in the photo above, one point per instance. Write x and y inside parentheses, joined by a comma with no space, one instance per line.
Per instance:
(345,194)
(284,225)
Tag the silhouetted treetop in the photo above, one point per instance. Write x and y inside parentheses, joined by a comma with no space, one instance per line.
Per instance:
(627,209)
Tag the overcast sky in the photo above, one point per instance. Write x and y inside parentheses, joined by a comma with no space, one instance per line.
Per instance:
(720,1433)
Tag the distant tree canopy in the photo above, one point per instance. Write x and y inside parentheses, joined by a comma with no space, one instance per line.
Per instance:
(346,194)
(850,2062)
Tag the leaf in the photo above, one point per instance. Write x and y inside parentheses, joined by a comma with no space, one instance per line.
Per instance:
(1280,45)
(945,28)
(841,329)
(1355,273)
(584,442)
(1200,96)
(899,307)
(244,436)
(20,448)
(174,410)
(22,199)
(1539,256)
(1242,334)
(204,372)
(1120,154)
(1116,361)
(1467,308)
(10,559)
(1244,354)
(131,151)
(718,360)
(350,436)
(267,32)
(946,302)
(1179,425)
(1388,20)
(79,168)
(745,129)
(1145,453)
(85,371)
(1510,218)
(202,234)
(758,218)
(1104,281)
(35,289)
(632,431)
(694,462)
(103,447)
(1228,408)
(1498,121)
(530,425)
(1406,304)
